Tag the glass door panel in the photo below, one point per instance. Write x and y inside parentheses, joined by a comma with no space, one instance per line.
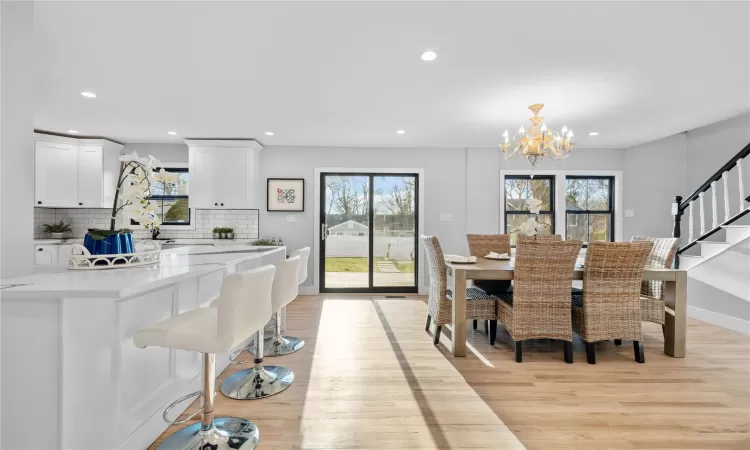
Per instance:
(345,232)
(394,230)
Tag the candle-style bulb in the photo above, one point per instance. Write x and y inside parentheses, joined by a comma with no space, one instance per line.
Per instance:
(544,127)
(505,135)
(521,130)
(565,129)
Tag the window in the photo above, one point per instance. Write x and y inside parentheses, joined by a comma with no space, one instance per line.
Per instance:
(589,208)
(518,189)
(172,199)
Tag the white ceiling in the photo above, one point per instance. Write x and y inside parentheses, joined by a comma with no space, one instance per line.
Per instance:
(350,74)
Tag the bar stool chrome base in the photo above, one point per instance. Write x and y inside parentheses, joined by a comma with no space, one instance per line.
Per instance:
(282,345)
(229,433)
(258,382)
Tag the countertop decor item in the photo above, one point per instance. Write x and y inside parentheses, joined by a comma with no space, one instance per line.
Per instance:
(56,230)
(132,195)
(81,259)
(266,243)
(286,194)
(538,142)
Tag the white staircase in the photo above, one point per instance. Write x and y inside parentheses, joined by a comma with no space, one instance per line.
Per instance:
(735,234)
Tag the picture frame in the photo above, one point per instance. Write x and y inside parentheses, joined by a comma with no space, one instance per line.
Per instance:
(285,194)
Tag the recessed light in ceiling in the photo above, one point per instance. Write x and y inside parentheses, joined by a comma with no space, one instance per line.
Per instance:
(88,94)
(594,133)
(173,133)
(72,131)
(269,133)
(400,131)
(429,55)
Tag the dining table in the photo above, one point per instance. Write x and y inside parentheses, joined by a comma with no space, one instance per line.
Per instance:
(674,296)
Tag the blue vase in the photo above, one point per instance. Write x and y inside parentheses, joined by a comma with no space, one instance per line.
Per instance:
(111,245)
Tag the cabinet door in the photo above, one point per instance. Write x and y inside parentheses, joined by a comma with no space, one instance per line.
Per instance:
(63,252)
(45,254)
(235,177)
(206,185)
(56,174)
(90,176)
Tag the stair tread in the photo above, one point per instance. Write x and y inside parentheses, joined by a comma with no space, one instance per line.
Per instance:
(735,226)
(713,242)
(690,256)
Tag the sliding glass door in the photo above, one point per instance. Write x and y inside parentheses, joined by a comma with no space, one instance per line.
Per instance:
(368,225)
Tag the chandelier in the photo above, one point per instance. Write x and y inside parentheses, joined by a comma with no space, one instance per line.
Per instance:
(538,141)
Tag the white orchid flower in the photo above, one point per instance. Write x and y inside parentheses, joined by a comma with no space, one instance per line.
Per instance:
(165,177)
(534,205)
(152,163)
(132,157)
(529,228)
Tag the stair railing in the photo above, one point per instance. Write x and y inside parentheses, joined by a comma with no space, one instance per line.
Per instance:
(679,206)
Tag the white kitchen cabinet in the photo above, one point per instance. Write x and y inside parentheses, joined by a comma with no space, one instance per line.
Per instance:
(45,254)
(90,184)
(56,174)
(224,174)
(75,173)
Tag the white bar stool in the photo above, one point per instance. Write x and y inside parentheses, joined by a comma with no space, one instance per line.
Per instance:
(279,345)
(210,331)
(263,381)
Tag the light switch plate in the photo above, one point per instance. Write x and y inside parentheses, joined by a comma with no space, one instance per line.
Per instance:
(291,218)
(446,217)
(629,213)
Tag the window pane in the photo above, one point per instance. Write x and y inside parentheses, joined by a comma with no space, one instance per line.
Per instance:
(174,211)
(589,194)
(515,221)
(180,187)
(588,227)
(518,191)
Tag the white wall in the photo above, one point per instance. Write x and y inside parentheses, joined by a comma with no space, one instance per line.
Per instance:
(166,153)
(16,139)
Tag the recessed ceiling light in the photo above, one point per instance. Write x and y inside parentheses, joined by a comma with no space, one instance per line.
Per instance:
(400,131)
(269,133)
(88,94)
(594,133)
(429,55)
(173,133)
(72,131)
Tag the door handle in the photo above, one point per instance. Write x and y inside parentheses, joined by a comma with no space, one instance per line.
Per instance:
(323,231)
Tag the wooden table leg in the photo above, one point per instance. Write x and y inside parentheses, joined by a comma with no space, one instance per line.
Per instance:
(675,297)
(458,287)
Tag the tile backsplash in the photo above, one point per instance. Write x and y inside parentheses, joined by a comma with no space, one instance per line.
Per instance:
(244,222)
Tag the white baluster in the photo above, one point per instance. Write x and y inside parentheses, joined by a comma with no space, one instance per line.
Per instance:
(703,214)
(742,185)
(725,177)
(714,212)
(690,222)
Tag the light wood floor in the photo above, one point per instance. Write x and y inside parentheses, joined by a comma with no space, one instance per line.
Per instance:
(370,378)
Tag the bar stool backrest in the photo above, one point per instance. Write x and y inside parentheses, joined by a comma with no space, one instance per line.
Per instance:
(285,286)
(244,304)
(304,254)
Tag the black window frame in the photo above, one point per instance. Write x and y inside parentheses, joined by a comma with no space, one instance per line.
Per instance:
(551,211)
(610,210)
(172,197)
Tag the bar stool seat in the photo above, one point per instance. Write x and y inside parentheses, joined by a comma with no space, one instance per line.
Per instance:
(212,330)
(278,344)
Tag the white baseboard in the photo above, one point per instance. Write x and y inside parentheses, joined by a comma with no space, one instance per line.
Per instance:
(724,321)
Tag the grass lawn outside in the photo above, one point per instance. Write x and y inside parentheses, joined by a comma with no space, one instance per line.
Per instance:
(360,265)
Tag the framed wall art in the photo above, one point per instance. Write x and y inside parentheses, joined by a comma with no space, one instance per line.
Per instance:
(286,194)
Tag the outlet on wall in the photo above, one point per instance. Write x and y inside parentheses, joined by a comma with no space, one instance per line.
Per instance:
(291,218)
(446,217)
(629,213)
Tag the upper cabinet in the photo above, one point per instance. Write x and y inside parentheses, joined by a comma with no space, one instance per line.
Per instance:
(75,173)
(224,174)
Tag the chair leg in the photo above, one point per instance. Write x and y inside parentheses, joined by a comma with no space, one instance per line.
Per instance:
(618,341)
(436,339)
(568,350)
(664,331)
(427,325)
(638,351)
(486,327)
(519,351)
(590,353)
(474,324)
(493,331)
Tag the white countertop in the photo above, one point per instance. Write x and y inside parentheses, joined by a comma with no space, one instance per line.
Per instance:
(179,241)
(175,265)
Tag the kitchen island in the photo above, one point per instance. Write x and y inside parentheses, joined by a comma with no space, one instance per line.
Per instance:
(71,376)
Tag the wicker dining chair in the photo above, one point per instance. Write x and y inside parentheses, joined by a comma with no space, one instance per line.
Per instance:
(539,306)
(609,307)
(482,244)
(652,292)
(479,304)
(538,238)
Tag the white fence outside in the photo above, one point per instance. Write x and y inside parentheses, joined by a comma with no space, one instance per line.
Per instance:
(401,248)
